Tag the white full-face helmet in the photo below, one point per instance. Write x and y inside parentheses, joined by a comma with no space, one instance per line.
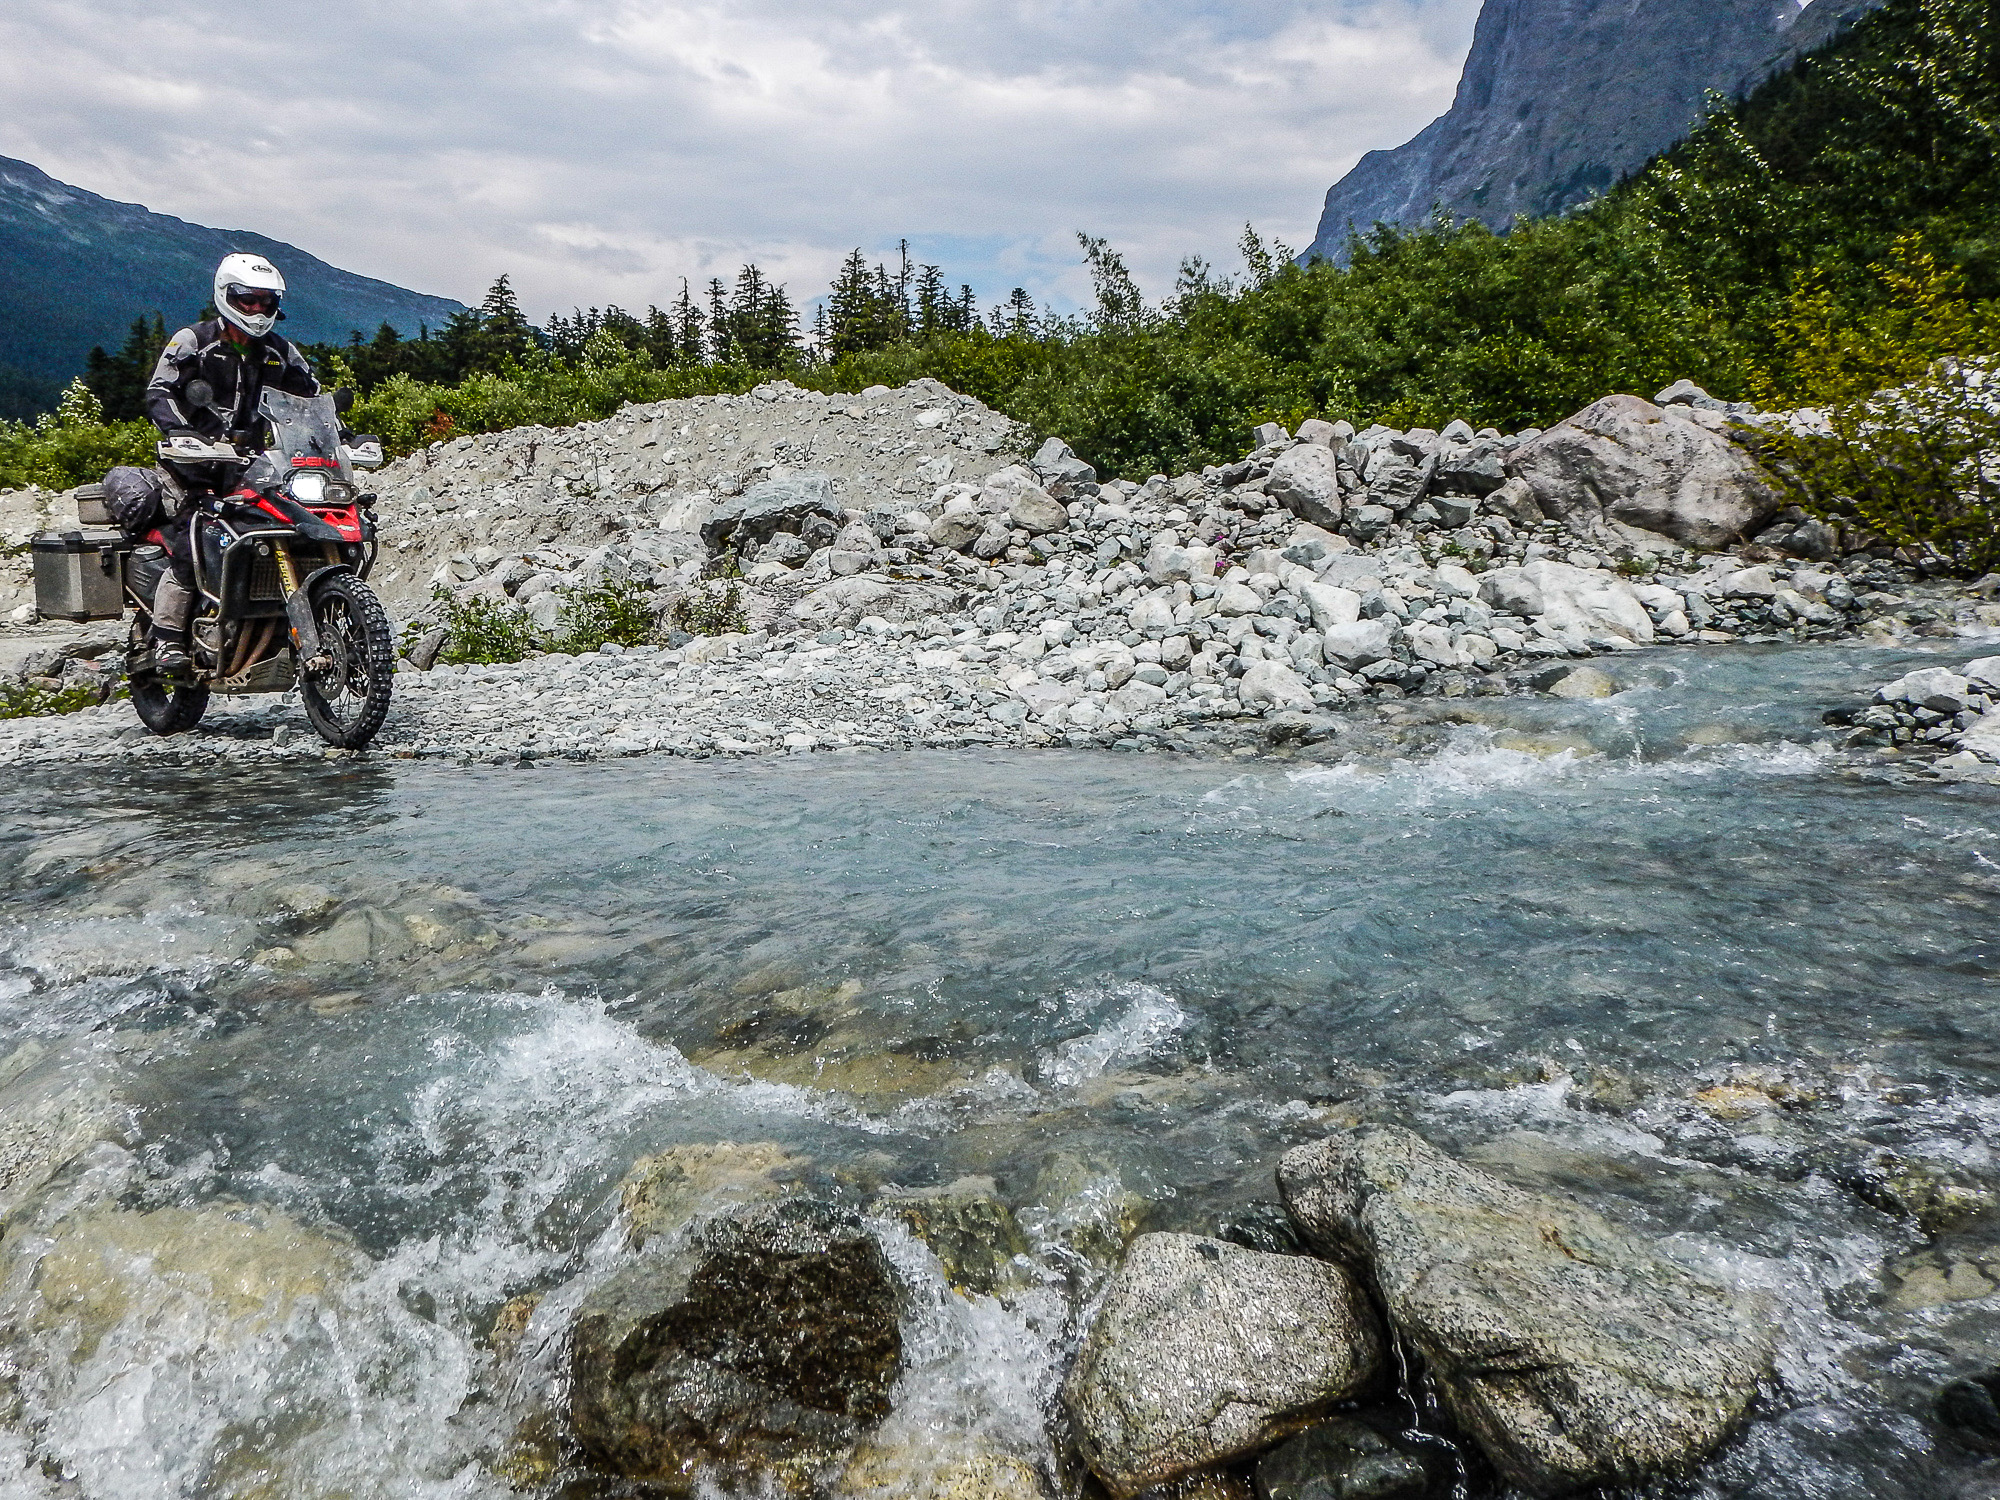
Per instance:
(247,291)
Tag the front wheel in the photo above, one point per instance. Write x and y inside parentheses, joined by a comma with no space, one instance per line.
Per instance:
(164,706)
(345,689)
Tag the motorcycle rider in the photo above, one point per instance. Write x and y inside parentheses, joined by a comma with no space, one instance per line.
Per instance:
(237,354)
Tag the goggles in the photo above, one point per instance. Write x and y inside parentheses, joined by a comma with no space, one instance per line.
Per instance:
(252,299)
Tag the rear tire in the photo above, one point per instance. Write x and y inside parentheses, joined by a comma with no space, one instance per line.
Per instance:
(348,699)
(164,707)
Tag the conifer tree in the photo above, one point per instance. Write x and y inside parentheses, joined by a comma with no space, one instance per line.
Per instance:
(690,329)
(505,332)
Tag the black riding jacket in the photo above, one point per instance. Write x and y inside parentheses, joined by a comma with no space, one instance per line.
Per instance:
(236,372)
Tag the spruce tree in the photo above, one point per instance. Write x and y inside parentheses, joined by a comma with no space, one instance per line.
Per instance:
(690,330)
(505,332)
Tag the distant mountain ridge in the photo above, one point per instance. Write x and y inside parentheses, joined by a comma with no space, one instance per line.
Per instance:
(77,268)
(1560,99)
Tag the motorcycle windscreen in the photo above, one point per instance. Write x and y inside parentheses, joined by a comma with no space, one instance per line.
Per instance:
(305,427)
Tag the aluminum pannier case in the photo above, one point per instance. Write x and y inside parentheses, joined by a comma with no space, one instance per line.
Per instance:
(79,575)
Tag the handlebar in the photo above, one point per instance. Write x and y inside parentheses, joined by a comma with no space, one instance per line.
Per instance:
(194,450)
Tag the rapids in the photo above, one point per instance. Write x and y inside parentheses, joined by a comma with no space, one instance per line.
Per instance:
(366,1050)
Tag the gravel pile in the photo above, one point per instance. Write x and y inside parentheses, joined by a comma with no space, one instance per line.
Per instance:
(911,576)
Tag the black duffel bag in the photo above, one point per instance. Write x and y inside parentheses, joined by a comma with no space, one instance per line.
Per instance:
(134,499)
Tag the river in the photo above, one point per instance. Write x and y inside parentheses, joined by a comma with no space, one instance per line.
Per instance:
(407,1026)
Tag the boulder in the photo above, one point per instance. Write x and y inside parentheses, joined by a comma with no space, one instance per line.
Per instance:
(1473,470)
(1306,481)
(664,1191)
(1032,510)
(1626,460)
(970,1231)
(956,529)
(1985,671)
(1055,463)
(1235,599)
(766,509)
(1982,738)
(1204,1351)
(1272,685)
(1329,604)
(843,602)
(1340,1460)
(1570,1350)
(1360,644)
(1578,604)
(54,1105)
(759,1350)
(1939,689)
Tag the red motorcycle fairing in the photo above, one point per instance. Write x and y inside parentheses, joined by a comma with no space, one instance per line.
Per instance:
(345,519)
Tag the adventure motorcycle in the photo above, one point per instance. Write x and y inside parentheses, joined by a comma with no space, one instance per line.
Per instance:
(282,544)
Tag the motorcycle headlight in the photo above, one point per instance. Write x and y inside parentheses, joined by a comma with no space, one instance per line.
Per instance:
(338,492)
(309,488)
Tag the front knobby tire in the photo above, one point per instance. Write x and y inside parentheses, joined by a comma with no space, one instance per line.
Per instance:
(348,698)
(164,706)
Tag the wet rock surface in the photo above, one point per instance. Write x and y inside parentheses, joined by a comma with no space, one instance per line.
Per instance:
(1570,1350)
(1340,1460)
(764,1346)
(1204,1351)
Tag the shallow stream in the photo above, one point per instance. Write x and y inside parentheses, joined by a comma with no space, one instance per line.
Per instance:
(383,1040)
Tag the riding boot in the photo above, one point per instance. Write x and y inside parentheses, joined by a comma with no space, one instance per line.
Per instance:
(172,603)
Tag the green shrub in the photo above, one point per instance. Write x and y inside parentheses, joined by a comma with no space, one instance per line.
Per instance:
(711,607)
(479,630)
(1907,441)
(72,445)
(605,614)
(27,700)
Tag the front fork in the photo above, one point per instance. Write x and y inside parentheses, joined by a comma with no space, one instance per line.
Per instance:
(298,608)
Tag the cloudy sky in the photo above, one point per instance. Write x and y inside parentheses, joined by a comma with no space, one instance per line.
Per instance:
(600,150)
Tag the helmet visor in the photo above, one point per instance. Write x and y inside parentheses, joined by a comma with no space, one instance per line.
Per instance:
(256,300)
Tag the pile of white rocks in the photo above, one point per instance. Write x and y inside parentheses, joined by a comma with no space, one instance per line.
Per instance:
(911,575)
(1935,708)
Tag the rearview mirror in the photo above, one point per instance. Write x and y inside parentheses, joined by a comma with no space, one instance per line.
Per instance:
(343,399)
(201,393)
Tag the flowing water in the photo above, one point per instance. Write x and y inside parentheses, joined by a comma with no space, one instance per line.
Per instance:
(367,1050)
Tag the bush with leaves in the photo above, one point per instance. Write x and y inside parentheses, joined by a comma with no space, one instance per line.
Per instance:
(712,607)
(609,613)
(479,630)
(30,700)
(1903,439)
(72,445)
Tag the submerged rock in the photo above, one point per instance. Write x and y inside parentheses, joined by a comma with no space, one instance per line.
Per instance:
(52,1108)
(1205,1351)
(764,1346)
(666,1190)
(1572,1352)
(1340,1460)
(969,1230)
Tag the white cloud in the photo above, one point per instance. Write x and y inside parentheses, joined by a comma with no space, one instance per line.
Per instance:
(599,150)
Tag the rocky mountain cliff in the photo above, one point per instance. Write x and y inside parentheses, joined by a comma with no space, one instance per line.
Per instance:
(76,269)
(1562,98)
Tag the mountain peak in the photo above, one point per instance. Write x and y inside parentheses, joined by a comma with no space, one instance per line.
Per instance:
(1560,99)
(82,267)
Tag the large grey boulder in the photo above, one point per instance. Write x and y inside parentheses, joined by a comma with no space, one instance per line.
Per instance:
(1306,481)
(1625,460)
(1572,1352)
(758,1350)
(1056,464)
(765,509)
(1204,1351)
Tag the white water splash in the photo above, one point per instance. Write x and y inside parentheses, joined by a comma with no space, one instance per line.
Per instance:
(1150,1020)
